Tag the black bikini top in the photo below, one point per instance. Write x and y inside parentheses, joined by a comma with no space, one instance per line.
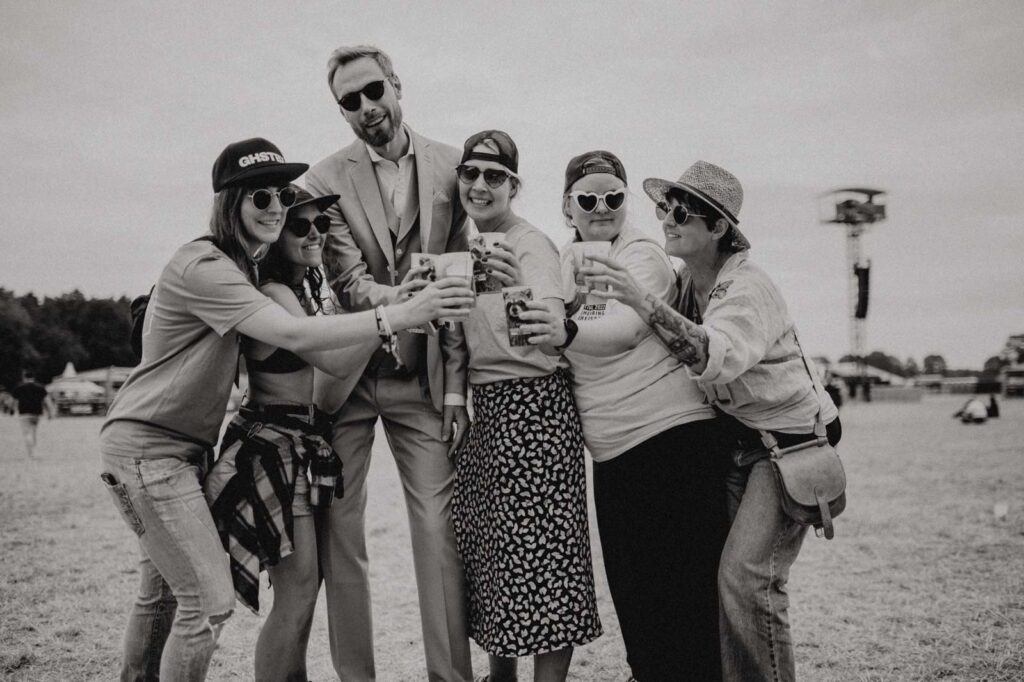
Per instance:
(281,361)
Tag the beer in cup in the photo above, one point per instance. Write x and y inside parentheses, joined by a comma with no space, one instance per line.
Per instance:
(581,253)
(457,264)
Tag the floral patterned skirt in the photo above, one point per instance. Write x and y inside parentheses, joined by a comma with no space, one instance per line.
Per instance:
(520,516)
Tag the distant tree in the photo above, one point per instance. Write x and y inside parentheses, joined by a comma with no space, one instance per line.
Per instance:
(884,362)
(934,364)
(910,368)
(16,353)
(993,366)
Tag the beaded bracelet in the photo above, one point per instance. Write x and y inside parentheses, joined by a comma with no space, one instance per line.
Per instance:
(388,338)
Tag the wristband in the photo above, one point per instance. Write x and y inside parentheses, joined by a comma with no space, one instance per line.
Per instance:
(388,338)
(571,329)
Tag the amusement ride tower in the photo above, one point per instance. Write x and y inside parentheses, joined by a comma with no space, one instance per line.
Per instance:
(856,209)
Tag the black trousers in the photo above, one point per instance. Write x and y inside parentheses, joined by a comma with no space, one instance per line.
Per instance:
(662,519)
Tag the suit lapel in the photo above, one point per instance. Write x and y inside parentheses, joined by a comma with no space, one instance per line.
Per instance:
(424,191)
(365,181)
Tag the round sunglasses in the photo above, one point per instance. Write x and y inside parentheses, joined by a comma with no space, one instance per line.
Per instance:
(494,177)
(352,101)
(680,214)
(261,198)
(587,201)
(300,226)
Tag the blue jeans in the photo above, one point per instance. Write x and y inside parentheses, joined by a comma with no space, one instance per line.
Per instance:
(185,590)
(762,545)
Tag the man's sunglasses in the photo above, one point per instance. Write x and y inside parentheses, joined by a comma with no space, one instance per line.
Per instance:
(261,198)
(494,177)
(300,226)
(680,214)
(587,201)
(373,91)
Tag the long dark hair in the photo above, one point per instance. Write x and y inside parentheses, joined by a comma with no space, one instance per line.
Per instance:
(226,228)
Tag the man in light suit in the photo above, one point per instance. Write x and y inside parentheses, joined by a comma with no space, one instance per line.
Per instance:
(398,196)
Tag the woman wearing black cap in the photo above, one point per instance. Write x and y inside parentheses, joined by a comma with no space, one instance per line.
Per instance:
(658,472)
(166,418)
(520,506)
(733,332)
(278,447)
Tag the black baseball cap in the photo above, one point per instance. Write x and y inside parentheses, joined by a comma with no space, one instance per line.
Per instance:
(597,161)
(508,155)
(303,198)
(252,159)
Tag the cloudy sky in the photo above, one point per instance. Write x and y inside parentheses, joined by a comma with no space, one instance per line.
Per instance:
(112,114)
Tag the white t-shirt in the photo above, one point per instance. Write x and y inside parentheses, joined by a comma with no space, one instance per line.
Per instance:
(627,398)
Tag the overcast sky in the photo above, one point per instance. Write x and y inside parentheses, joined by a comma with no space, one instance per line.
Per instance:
(112,114)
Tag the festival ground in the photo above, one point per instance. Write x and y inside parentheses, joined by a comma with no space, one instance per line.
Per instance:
(924,580)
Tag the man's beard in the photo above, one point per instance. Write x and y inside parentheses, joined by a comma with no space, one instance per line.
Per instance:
(381,135)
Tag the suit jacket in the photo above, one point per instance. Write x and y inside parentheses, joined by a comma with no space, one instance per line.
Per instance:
(363,266)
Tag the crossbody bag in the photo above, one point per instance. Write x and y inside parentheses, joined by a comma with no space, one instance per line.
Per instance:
(809,476)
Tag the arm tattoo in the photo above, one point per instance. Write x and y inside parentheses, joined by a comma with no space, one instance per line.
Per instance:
(684,339)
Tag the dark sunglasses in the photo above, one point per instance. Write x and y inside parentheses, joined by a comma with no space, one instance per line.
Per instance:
(494,177)
(300,226)
(261,198)
(373,91)
(587,201)
(680,214)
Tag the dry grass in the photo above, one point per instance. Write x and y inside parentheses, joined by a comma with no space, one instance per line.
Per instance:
(922,583)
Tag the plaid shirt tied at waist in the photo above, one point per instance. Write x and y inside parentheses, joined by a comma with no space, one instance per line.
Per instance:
(251,487)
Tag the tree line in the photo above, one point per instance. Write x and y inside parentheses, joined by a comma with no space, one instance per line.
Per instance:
(42,336)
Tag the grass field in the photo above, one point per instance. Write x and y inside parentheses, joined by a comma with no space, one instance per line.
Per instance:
(924,581)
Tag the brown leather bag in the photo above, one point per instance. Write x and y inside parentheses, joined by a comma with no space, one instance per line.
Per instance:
(809,475)
(810,479)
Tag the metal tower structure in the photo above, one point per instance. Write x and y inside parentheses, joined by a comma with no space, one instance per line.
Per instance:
(856,209)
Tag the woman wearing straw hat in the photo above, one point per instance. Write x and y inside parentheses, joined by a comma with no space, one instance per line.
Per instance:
(166,418)
(658,473)
(734,333)
(520,503)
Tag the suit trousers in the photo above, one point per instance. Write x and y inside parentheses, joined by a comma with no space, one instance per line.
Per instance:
(413,428)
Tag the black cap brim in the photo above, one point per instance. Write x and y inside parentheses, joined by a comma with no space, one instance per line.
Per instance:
(286,172)
(321,203)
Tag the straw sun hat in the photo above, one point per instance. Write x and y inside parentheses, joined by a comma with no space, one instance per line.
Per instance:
(712,184)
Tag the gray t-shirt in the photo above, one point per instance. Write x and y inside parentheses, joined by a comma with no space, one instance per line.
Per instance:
(189,344)
(491,358)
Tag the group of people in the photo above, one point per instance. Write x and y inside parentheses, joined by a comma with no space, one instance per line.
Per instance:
(667,378)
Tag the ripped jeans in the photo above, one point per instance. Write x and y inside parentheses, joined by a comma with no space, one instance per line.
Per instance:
(185,591)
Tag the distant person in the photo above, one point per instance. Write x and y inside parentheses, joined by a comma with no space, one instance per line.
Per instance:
(398,196)
(520,502)
(974,411)
(993,406)
(158,437)
(833,388)
(733,332)
(31,400)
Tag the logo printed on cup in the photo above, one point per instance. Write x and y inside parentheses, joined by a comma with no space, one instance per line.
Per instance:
(515,303)
(484,283)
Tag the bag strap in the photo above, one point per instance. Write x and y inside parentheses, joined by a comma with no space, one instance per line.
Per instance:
(771,444)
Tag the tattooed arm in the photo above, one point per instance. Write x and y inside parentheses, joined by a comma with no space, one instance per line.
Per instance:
(684,339)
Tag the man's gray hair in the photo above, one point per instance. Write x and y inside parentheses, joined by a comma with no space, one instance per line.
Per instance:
(343,55)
